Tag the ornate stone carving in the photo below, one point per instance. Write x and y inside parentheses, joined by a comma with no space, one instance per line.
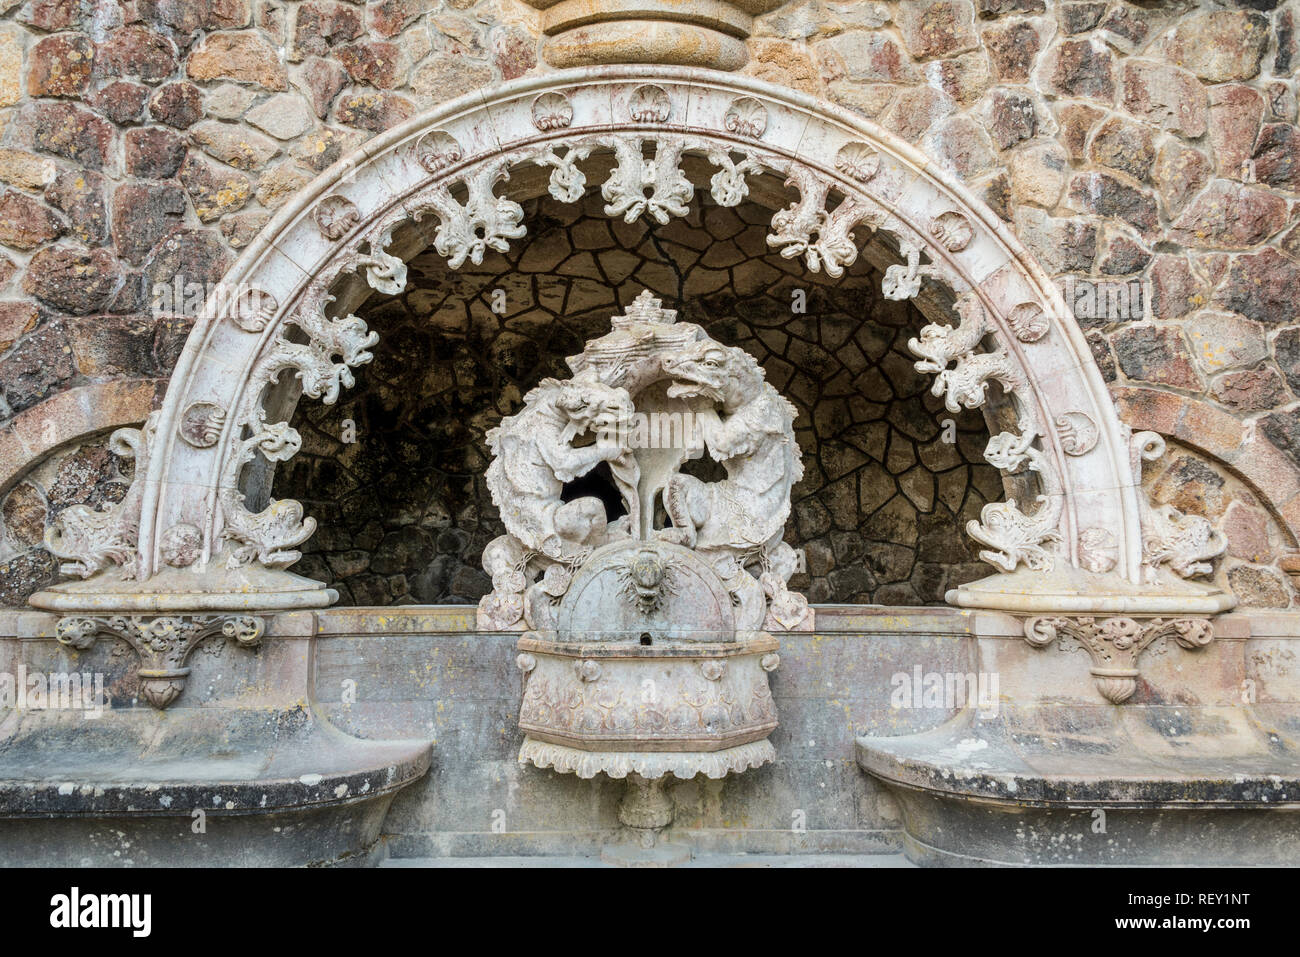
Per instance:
(438,149)
(650,104)
(805,228)
(181,545)
(746,117)
(1077,431)
(1186,543)
(568,182)
(670,192)
(728,185)
(271,535)
(164,643)
(335,215)
(1098,550)
(1115,644)
(858,160)
(647,364)
(952,230)
(90,540)
(252,309)
(552,111)
(1028,322)
(201,424)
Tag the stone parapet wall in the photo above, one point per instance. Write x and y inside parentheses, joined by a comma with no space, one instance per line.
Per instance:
(1125,143)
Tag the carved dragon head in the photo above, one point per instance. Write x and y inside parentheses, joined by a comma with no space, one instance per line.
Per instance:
(722,374)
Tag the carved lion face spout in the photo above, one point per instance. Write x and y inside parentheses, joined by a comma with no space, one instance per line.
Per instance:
(709,370)
(594,407)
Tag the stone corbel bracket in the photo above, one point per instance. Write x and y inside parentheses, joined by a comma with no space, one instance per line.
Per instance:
(164,643)
(1115,644)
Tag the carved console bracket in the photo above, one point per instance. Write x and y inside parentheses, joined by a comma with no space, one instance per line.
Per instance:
(164,643)
(1115,644)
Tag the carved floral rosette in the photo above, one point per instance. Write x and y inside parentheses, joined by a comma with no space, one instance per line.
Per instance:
(451,172)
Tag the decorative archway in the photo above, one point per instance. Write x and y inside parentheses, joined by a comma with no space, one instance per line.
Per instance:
(187,539)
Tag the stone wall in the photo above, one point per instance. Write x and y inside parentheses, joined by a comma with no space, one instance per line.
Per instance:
(149,140)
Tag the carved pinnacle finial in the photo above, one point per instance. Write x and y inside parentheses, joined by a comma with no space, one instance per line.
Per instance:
(647,308)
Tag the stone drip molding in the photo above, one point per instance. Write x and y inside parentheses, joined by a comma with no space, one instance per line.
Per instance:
(186,532)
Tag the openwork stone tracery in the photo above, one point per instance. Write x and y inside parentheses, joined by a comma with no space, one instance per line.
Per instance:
(851,181)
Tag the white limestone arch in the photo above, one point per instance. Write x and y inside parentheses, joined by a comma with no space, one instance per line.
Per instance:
(184,536)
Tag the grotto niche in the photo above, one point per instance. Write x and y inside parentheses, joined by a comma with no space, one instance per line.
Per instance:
(394,472)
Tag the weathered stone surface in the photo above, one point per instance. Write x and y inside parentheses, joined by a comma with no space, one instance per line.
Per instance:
(238,56)
(25,223)
(36,367)
(321,24)
(1259,587)
(375,111)
(1175,291)
(1125,27)
(1277,157)
(779,61)
(1038,174)
(1079,68)
(916,110)
(73,133)
(136,52)
(153,152)
(1081,17)
(16,318)
(1179,174)
(1062,245)
(514,52)
(213,190)
(1236,113)
(1123,256)
(1220,45)
(935,29)
(279,183)
(50,15)
(388,18)
(1286,350)
(1165,95)
(60,65)
(1246,527)
(71,279)
(1252,390)
(1229,215)
(1076,123)
(1262,287)
(963,79)
(321,80)
(122,101)
(177,104)
(11,68)
(184,18)
(143,213)
(374,63)
(25,170)
(285,116)
(862,56)
(79,195)
(961,145)
(196,254)
(1104,195)
(324,147)
(1155,354)
(242,148)
(1127,147)
(240,228)
(999,8)
(229,101)
(1013,50)
(1011,118)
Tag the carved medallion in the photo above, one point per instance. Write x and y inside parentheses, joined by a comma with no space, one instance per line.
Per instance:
(746,117)
(1028,322)
(1078,433)
(253,309)
(952,230)
(1098,550)
(335,215)
(180,545)
(650,104)
(201,424)
(437,150)
(552,111)
(858,160)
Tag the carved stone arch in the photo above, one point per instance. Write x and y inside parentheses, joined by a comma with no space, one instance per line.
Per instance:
(457,175)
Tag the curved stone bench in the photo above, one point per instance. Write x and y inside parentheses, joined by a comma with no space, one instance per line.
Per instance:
(241,771)
(1168,785)
(281,788)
